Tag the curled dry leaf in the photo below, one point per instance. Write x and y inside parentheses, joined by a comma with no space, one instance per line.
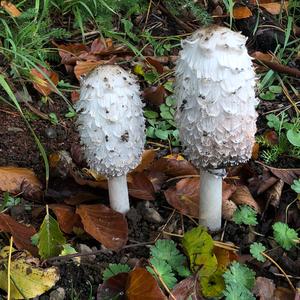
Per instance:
(142,285)
(174,165)
(224,257)
(148,157)
(66,217)
(156,64)
(10,8)
(264,288)
(242,196)
(275,8)
(155,94)
(26,275)
(100,46)
(21,233)
(104,224)
(287,175)
(43,84)
(228,209)
(241,12)
(20,181)
(139,186)
(274,193)
(185,196)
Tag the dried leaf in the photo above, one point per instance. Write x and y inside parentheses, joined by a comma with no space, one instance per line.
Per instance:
(185,196)
(66,217)
(139,186)
(264,56)
(282,293)
(84,67)
(274,193)
(41,83)
(174,165)
(101,45)
(10,8)
(287,175)
(20,181)
(69,53)
(26,275)
(113,287)
(242,196)
(264,288)
(272,137)
(142,285)
(255,151)
(147,159)
(155,94)
(241,12)
(274,8)
(224,257)
(228,209)
(104,224)
(21,233)
(185,289)
(156,64)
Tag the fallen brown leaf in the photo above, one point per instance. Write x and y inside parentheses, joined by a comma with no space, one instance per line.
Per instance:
(282,293)
(84,67)
(10,8)
(43,84)
(104,224)
(155,94)
(241,12)
(66,217)
(274,8)
(140,187)
(273,195)
(142,285)
(287,175)
(242,196)
(264,288)
(100,45)
(224,257)
(174,166)
(148,157)
(21,233)
(20,181)
(156,64)
(185,289)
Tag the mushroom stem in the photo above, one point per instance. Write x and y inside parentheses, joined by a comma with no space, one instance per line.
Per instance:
(210,202)
(118,194)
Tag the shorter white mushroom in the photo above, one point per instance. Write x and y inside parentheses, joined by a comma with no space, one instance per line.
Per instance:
(111,127)
(215,91)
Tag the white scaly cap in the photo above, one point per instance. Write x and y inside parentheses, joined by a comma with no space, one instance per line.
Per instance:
(111,122)
(215,92)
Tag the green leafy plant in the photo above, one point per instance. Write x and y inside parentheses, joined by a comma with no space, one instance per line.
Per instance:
(296,186)
(162,125)
(9,201)
(245,215)
(166,261)
(271,93)
(288,132)
(256,250)
(114,269)
(49,239)
(239,281)
(285,236)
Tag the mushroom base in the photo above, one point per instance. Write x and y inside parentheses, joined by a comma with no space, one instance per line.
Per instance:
(118,194)
(210,202)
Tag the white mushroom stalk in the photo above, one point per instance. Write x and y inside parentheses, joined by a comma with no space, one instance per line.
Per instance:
(111,127)
(216,117)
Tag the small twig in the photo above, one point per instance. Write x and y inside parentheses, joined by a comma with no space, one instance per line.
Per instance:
(279,67)
(182,177)
(147,15)
(162,282)
(282,271)
(165,225)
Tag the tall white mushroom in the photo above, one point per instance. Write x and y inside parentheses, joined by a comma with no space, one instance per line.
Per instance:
(216,117)
(111,127)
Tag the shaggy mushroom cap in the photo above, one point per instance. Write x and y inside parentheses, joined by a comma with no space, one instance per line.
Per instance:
(111,122)
(215,93)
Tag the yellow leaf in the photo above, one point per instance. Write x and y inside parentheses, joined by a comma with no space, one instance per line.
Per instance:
(241,12)
(28,280)
(138,69)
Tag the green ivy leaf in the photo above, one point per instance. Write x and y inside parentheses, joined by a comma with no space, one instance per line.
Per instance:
(276,89)
(256,250)
(114,269)
(166,115)
(273,122)
(198,245)
(285,236)
(150,114)
(49,239)
(150,132)
(268,95)
(245,215)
